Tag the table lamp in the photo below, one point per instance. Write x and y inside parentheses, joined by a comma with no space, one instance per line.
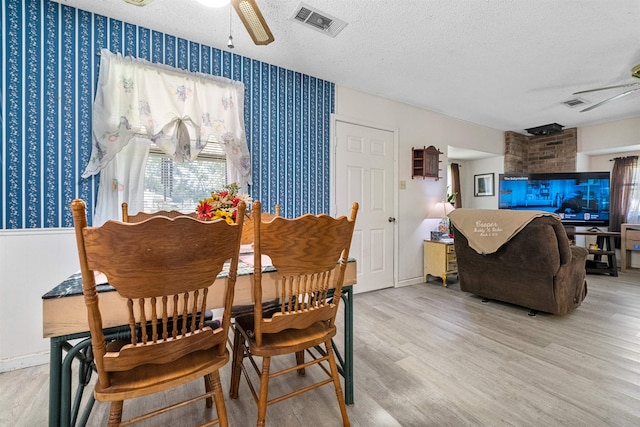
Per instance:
(441,210)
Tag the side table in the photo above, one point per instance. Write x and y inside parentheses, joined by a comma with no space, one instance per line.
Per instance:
(439,259)
(606,248)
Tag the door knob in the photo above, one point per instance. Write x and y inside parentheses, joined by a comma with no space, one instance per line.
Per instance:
(392,219)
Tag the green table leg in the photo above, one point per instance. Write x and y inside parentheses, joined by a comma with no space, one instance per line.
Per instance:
(347,297)
(61,414)
(55,365)
(66,416)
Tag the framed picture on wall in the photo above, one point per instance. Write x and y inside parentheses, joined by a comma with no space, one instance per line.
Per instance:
(483,185)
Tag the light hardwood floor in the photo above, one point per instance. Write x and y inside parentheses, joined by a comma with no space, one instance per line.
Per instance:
(426,355)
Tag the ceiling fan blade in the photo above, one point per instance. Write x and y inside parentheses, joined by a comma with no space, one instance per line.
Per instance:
(605,88)
(253,21)
(613,98)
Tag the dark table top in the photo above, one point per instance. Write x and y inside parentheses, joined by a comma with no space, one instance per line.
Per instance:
(72,285)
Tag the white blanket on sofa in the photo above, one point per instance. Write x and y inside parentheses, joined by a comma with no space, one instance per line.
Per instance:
(488,229)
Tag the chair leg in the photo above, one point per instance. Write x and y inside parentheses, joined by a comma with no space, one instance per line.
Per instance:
(336,382)
(219,398)
(207,388)
(300,361)
(115,414)
(264,391)
(236,363)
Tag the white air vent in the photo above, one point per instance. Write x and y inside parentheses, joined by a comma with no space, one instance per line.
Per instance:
(575,102)
(319,21)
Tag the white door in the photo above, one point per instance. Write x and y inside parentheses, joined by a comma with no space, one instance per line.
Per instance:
(364,173)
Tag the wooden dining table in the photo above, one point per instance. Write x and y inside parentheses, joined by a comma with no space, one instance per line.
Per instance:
(65,324)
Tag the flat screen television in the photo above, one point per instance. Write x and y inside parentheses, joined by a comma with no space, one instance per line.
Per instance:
(580,198)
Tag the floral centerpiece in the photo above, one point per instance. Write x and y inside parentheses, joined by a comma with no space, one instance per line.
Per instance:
(223,204)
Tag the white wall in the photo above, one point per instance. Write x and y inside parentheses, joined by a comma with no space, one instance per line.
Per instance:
(469,169)
(617,136)
(603,162)
(32,262)
(416,128)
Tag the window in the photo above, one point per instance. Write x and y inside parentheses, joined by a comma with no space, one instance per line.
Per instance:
(180,186)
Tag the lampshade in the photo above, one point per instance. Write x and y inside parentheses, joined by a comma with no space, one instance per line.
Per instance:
(439,210)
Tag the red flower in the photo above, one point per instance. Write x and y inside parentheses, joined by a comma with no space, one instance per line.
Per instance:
(204,211)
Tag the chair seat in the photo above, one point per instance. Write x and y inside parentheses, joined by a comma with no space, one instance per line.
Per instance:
(287,341)
(152,378)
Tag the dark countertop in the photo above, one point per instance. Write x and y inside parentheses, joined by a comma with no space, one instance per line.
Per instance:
(72,285)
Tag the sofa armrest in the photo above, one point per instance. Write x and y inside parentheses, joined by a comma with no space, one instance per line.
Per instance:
(564,246)
(579,252)
(570,283)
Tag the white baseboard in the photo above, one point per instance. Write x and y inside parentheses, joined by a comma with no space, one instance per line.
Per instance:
(26,361)
(409,282)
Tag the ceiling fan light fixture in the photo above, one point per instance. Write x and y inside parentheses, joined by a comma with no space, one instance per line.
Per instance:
(253,20)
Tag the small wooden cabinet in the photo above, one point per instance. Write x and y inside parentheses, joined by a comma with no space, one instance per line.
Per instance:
(425,162)
(439,260)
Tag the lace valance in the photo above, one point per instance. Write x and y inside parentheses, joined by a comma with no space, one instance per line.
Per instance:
(180,111)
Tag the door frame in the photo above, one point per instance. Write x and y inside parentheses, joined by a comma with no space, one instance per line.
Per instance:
(332,174)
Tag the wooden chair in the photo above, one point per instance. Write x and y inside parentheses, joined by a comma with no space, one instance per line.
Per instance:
(247,229)
(141,216)
(310,254)
(163,269)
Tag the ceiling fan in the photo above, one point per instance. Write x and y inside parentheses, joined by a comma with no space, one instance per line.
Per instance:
(253,21)
(249,14)
(635,72)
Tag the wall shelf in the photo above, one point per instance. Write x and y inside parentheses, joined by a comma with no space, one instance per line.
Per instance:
(425,162)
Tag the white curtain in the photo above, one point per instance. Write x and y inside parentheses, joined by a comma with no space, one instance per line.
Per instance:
(178,110)
(122,180)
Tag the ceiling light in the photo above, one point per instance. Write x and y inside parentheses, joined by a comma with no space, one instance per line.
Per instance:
(214,3)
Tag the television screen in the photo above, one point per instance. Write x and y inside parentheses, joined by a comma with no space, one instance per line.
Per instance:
(580,198)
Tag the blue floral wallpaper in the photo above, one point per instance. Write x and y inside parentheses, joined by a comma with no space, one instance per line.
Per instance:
(48,74)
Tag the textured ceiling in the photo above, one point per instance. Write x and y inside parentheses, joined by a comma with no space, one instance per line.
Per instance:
(506,64)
